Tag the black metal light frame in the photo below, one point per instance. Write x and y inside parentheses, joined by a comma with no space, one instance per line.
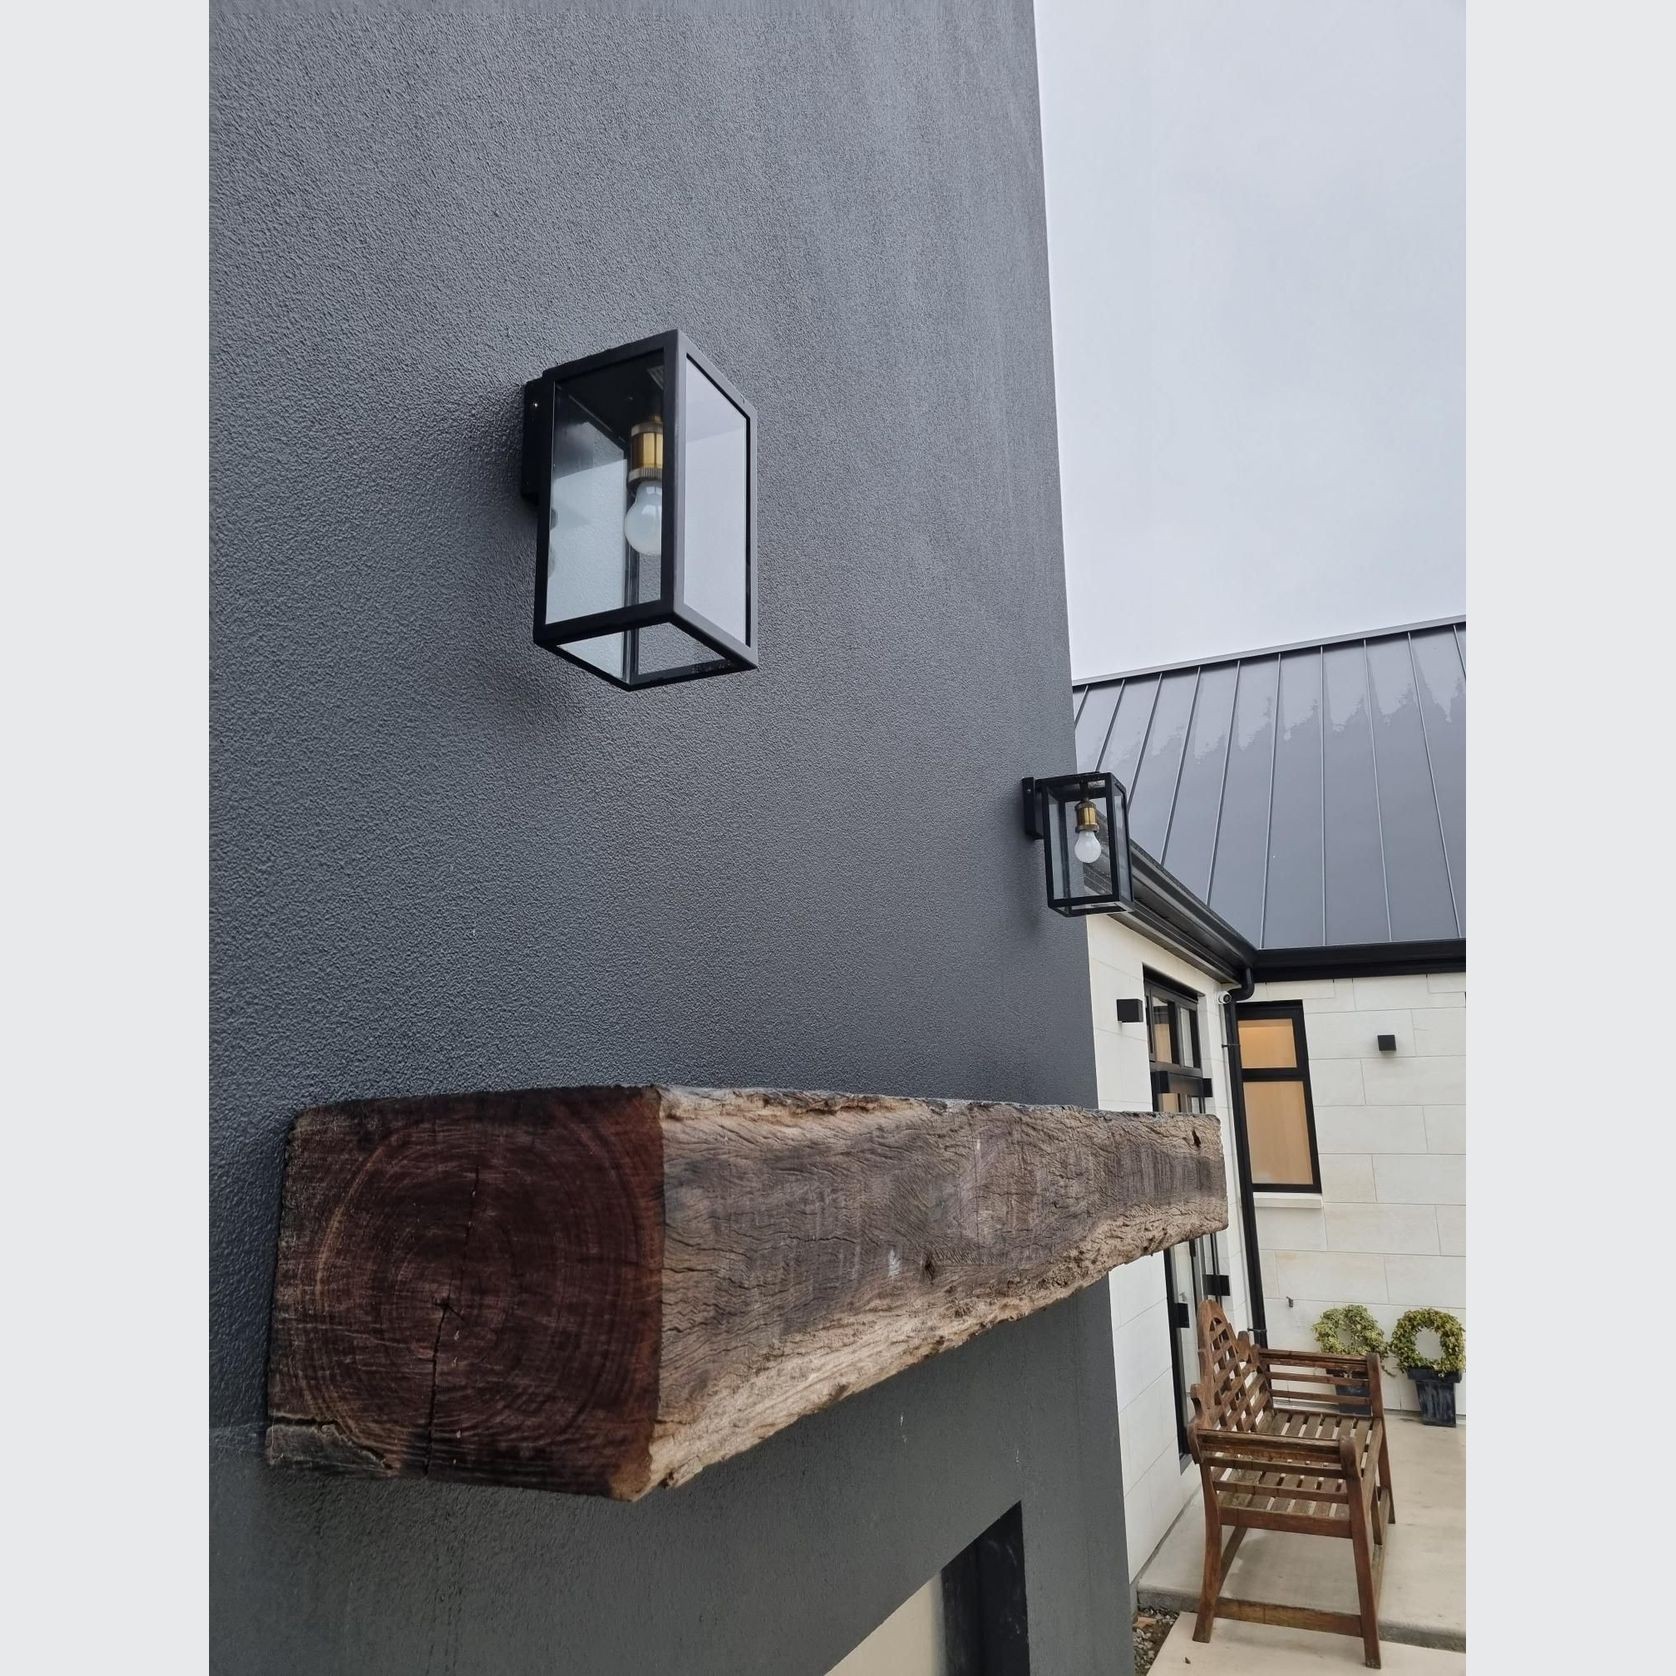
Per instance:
(1048,804)
(671,605)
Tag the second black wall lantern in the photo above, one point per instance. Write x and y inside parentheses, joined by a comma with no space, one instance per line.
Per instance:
(641,462)
(1082,823)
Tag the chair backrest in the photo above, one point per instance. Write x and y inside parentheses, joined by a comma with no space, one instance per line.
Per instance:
(1233,1392)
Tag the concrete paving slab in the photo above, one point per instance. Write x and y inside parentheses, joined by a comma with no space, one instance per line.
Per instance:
(1423,1600)
(1237,1649)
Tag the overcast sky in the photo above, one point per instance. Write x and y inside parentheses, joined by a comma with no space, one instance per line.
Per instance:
(1256,231)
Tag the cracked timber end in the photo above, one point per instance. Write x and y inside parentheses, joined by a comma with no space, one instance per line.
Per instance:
(604,1290)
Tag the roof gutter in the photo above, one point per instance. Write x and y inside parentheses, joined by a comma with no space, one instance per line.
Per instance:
(1173,916)
(1361,960)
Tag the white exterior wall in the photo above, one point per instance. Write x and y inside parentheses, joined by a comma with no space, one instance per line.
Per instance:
(1155,1486)
(1388,1228)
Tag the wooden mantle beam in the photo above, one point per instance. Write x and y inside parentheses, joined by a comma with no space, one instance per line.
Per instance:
(603,1290)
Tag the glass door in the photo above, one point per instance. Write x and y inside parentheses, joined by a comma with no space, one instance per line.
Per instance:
(1193,1270)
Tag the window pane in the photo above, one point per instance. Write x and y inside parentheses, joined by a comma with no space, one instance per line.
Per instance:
(1268,1044)
(714,497)
(1279,1131)
(586,571)
(590,566)
(1163,1048)
(603,651)
(1187,1041)
(665,646)
(1185,1092)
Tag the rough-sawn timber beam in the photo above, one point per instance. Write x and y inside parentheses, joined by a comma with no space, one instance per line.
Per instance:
(603,1290)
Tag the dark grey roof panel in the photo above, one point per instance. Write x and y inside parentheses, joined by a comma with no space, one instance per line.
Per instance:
(1242,830)
(1128,731)
(1191,838)
(1089,682)
(1154,785)
(1294,900)
(1354,852)
(1441,677)
(1312,795)
(1416,874)
(1093,723)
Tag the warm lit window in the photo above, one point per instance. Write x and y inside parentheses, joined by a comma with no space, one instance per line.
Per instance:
(1279,1114)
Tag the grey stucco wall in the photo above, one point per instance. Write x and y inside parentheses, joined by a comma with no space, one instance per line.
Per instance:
(444,859)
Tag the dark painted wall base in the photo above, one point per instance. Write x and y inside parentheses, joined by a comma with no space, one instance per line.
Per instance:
(778,1562)
(443,859)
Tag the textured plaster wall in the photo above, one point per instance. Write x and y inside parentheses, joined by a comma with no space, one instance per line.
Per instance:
(444,859)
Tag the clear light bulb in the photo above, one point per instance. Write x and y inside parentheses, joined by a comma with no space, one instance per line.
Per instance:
(643,522)
(1087,847)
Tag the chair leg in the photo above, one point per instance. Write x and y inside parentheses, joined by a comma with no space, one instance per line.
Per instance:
(1385,1480)
(1367,1596)
(1211,1585)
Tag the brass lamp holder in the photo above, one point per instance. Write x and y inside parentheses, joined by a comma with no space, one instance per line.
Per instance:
(646,451)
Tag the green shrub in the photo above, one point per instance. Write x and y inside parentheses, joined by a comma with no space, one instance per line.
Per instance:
(1452,1335)
(1348,1330)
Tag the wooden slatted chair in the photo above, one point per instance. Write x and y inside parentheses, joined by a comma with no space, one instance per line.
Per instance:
(1289,1441)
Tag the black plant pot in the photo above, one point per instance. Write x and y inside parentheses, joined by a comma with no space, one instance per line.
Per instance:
(1437,1395)
(1357,1394)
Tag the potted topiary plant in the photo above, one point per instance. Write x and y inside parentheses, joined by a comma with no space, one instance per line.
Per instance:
(1435,1378)
(1349,1330)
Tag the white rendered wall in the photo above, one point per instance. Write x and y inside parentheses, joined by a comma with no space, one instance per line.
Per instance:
(1389,1227)
(908,1643)
(1155,1486)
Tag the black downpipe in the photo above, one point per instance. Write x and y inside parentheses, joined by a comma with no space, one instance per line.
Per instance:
(1242,1154)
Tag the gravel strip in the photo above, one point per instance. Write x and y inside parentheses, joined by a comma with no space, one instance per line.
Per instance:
(1151,1628)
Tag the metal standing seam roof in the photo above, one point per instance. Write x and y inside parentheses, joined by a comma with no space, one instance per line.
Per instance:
(1312,795)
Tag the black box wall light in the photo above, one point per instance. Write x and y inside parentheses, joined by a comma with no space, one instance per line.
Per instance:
(1082,824)
(641,462)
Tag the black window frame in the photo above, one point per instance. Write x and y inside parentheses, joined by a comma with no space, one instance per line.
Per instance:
(1294,1010)
(1180,1068)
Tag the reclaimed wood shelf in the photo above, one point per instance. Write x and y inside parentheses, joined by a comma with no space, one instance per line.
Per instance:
(605,1290)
